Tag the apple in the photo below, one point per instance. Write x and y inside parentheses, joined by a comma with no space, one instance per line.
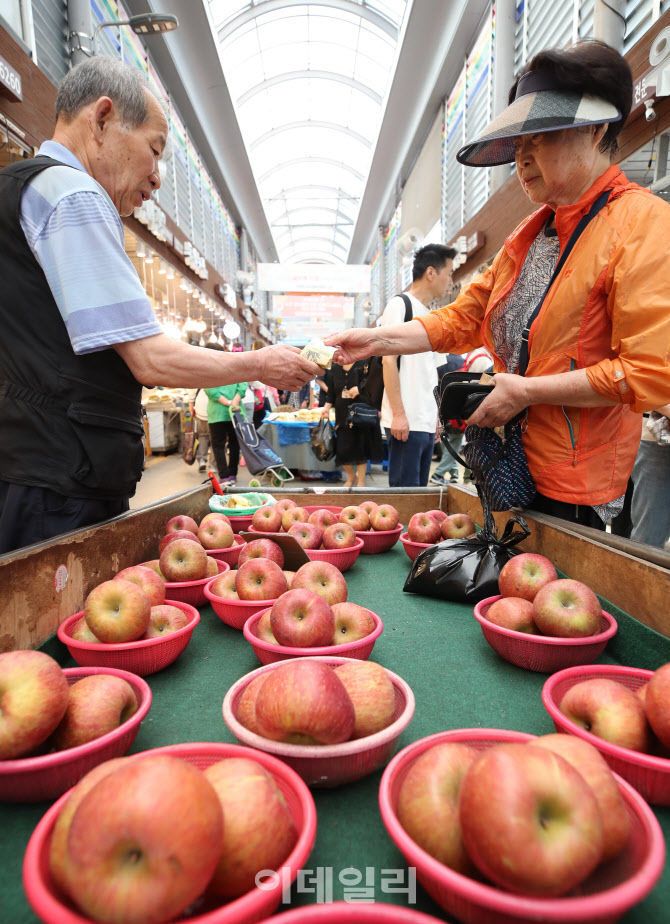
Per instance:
(530,821)
(144,841)
(657,703)
(307,534)
(525,574)
(215,515)
(264,629)
(372,694)
(224,586)
(146,578)
(216,534)
(356,518)
(164,620)
(258,831)
(513,613)
(369,507)
(33,698)
(261,548)
(285,504)
(457,526)
(82,633)
(294,515)
(212,567)
(183,560)
(424,528)
(304,702)
(155,565)
(98,704)
(384,518)
(289,575)
(428,803)
(118,611)
(267,519)
(322,577)
(176,534)
(608,710)
(593,767)
(339,536)
(438,515)
(567,609)
(302,619)
(181,522)
(246,708)
(260,579)
(352,622)
(322,518)
(58,846)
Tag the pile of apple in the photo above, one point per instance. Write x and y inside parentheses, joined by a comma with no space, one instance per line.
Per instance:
(147,838)
(324,528)
(535,601)
(637,720)
(129,608)
(533,818)
(191,562)
(308,702)
(433,525)
(42,713)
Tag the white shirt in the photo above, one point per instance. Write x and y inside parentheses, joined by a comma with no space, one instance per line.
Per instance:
(418,374)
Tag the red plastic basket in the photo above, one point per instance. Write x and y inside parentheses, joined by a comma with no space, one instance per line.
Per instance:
(52,908)
(648,774)
(34,779)
(544,653)
(234,612)
(268,653)
(146,656)
(607,894)
(241,523)
(354,913)
(341,558)
(193,592)
(375,541)
(326,765)
(229,555)
(412,548)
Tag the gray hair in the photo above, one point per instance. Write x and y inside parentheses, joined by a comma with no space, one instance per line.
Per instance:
(103,75)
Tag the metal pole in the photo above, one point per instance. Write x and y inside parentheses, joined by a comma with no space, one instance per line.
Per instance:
(503,73)
(80,29)
(609,22)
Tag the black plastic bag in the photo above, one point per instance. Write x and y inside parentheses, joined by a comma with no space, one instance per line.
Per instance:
(322,440)
(466,570)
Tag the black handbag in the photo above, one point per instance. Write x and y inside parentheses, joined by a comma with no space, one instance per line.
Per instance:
(362,416)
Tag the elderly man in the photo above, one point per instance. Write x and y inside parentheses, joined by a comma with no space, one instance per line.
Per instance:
(79,334)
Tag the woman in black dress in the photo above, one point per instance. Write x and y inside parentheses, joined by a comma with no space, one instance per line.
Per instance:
(355,445)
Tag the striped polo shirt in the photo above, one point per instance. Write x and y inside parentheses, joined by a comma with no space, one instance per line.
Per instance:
(76,236)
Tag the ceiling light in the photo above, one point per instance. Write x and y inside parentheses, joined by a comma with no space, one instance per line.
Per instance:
(201,342)
(212,337)
(170,273)
(163,269)
(140,251)
(149,257)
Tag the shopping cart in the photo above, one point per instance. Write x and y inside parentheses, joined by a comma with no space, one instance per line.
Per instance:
(262,461)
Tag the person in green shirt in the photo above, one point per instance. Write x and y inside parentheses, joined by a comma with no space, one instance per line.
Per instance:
(223,402)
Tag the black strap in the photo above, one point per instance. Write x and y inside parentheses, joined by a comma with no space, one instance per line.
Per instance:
(409,313)
(600,202)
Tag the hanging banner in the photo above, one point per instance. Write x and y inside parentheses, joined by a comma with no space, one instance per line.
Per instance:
(312,277)
(314,307)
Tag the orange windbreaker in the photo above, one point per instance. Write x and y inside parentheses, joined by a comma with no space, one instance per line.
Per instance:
(608,313)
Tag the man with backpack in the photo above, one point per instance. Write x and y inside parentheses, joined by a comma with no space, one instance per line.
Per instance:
(409,410)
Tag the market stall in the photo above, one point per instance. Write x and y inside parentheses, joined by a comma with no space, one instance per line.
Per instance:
(436,647)
(290,439)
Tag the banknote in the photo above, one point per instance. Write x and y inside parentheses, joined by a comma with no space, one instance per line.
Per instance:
(318,352)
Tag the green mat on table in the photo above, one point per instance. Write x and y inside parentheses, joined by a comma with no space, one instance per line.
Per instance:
(458,682)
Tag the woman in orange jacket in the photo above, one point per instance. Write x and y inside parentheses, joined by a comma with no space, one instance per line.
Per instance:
(599,349)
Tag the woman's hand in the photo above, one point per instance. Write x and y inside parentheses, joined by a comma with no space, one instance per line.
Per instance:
(353,344)
(508,398)
(354,392)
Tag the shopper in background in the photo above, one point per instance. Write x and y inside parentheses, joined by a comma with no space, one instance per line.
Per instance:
(223,403)
(599,347)
(355,445)
(409,411)
(296,399)
(323,381)
(79,335)
(650,509)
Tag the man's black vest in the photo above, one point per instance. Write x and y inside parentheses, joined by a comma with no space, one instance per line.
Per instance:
(69,423)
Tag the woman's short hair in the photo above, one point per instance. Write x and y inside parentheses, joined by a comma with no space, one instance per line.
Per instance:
(103,75)
(588,67)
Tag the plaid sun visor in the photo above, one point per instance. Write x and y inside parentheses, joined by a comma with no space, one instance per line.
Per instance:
(538,107)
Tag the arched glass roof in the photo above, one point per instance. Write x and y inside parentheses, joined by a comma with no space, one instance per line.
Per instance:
(309,81)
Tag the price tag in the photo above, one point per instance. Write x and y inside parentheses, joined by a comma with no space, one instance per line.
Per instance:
(11,80)
(60,578)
